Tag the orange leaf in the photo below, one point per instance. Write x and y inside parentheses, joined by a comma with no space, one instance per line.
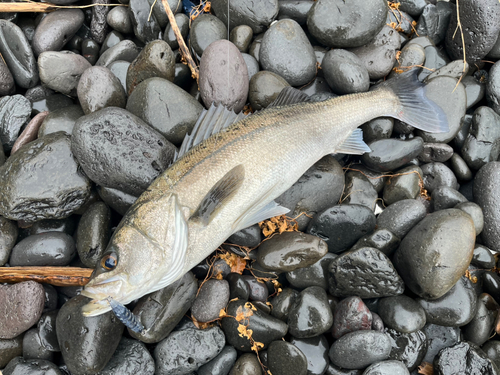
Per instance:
(425,368)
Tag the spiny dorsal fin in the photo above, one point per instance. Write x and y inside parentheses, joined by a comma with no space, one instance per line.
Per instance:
(354,144)
(224,189)
(288,96)
(210,122)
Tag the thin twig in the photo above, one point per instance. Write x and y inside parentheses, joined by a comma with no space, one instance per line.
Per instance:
(31,6)
(459,26)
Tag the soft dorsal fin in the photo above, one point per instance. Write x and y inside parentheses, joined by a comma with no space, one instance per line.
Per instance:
(210,122)
(224,189)
(354,144)
(288,96)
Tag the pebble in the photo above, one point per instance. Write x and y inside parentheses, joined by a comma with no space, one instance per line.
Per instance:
(220,365)
(98,88)
(257,290)
(340,24)
(45,249)
(493,88)
(155,60)
(118,150)
(212,297)
(126,50)
(483,257)
(467,358)
(131,357)
(112,39)
(365,272)
(387,367)
(436,175)
(7,84)
(45,170)
(18,56)
(315,350)
(162,310)
(19,365)
(411,54)
(405,185)
(116,199)
(492,350)
(439,337)
(350,315)
(247,364)
(30,131)
(119,20)
(90,50)
(283,302)
(252,65)
(434,20)
(345,72)
(359,190)
(10,348)
(46,329)
(8,237)
(187,350)
(482,326)
(445,197)
(408,348)
(165,107)
(21,307)
(264,88)
(241,36)
(285,358)
(286,51)
(56,29)
(220,61)
(119,68)
(15,111)
(433,152)
(380,239)
(295,10)
(206,29)
(33,348)
(400,217)
(314,275)
(401,313)
(183,24)
(460,168)
(145,24)
(390,154)
(359,349)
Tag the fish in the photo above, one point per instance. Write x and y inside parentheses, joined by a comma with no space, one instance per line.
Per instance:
(228,173)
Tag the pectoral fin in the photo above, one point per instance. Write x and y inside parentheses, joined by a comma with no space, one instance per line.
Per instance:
(221,192)
(253,217)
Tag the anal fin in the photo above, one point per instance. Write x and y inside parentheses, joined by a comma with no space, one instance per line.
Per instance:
(354,144)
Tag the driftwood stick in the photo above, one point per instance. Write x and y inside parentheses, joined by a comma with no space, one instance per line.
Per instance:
(182,45)
(59,276)
(31,6)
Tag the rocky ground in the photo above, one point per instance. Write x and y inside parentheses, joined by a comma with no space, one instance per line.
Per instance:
(393,264)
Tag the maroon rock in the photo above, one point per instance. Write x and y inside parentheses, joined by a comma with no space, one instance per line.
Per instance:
(351,315)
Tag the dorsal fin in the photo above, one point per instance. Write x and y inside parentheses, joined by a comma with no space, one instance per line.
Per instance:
(210,122)
(288,96)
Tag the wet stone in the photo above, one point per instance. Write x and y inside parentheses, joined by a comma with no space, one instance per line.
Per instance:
(350,315)
(146,28)
(378,128)
(46,330)
(481,327)
(405,185)
(492,350)
(131,357)
(295,10)
(19,365)
(493,88)
(390,154)
(45,249)
(205,30)
(160,311)
(258,15)
(212,297)
(491,283)
(119,20)
(247,364)
(21,307)
(116,199)
(435,58)
(221,364)
(112,39)
(340,24)
(283,302)
(315,350)
(475,90)
(433,21)
(345,72)
(126,50)
(220,61)
(250,236)
(356,350)
(409,348)
(387,367)
(7,84)
(454,69)
(183,24)
(60,120)
(439,337)
(285,358)
(401,216)
(341,226)
(90,50)
(25,182)
(8,237)
(56,29)
(313,275)
(401,313)
(264,88)
(252,65)
(165,107)
(380,239)
(463,358)
(257,289)
(10,348)
(445,197)
(33,348)
(440,152)
(241,37)
(365,272)
(359,190)
(411,54)
(460,168)
(286,51)
(436,175)
(483,257)
(15,111)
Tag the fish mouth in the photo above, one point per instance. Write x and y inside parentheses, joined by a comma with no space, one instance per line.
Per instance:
(99,293)
(95,307)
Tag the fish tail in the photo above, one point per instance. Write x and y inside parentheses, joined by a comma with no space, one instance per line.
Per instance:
(415,108)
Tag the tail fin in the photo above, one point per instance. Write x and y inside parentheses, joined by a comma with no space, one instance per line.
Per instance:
(416,108)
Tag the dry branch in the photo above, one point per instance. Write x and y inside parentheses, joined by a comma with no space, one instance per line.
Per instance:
(31,6)
(59,276)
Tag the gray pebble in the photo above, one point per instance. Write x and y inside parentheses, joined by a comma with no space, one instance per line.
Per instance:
(146,25)
(131,357)
(220,365)
(476,213)
(439,152)
(247,364)
(15,111)
(206,29)
(436,175)
(8,237)
(212,297)
(446,197)
(408,348)
(405,185)
(389,154)
(183,24)
(401,216)
(258,14)
(44,249)
(401,313)
(62,119)
(126,50)
(23,366)
(119,20)
(241,36)
(284,358)
(33,348)
(345,72)
(10,348)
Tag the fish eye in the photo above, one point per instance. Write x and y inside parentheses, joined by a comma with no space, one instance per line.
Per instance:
(109,261)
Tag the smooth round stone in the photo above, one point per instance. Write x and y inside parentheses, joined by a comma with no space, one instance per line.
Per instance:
(212,297)
(258,15)
(365,272)
(341,24)
(20,307)
(317,87)
(241,36)
(10,348)
(257,289)
(45,249)
(482,144)
(377,179)
(379,55)
(23,366)
(378,128)
(221,364)
(357,350)
(295,10)
(116,199)
(187,350)
(436,175)
(264,88)
(452,99)
(409,348)
(387,367)
(118,150)
(249,237)
(493,88)
(439,337)
(341,226)
(162,310)
(17,55)
(492,350)
(310,315)
(206,29)
(291,250)
(315,350)
(183,24)
(336,370)
(483,257)
(455,308)
(50,103)
(401,216)
(131,357)
(252,65)
(155,60)
(445,197)
(238,287)
(481,21)
(350,315)
(43,171)
(7,84)
(359,190)
(67,226)
(481,327)
(401,313)
(46,330)
(405,185)
(145,24)
(33,348)
(99,88)
(435,59)
(62,119)
(112,39)
(94,230)
(318,188)
(61,71)
(286,51)
(411,54)
(220,61)
(283,302)
(126,50)
(380,239)
(8,237)
(432,152)
(475,90)
(182,77)
(56,29)
(460,168)
(247,364)
(390,154)
(165,107)
(119,20)
(90,50)
(265,328)
(454,69)
(445,243)
(87,344)
(313,275)
(467,358)
(345,72)
(15,111)
(284,358)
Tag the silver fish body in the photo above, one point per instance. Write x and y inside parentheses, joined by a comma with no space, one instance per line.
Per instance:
(229,182)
